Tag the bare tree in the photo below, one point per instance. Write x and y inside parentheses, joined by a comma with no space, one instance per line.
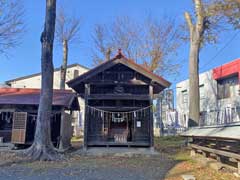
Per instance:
(67,31)
(196,32)
(228,10)
(203,27)
(42,147)
(151,42)
(11,24)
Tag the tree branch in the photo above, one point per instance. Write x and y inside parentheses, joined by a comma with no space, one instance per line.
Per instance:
(200,15)
(189,22)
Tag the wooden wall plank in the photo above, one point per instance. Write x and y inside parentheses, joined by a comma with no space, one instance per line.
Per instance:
(19,128)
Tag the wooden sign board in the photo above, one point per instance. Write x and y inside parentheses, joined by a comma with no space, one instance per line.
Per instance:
(19,128)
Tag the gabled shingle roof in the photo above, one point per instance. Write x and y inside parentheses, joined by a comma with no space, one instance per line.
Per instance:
(120,58)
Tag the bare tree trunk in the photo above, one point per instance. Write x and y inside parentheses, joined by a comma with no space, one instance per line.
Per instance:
(194,106)
(196,32)
(64,65)
(42,147)
(62,86)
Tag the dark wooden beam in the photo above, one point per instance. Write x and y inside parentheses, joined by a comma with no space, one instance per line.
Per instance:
(216,151)
(87,92)
(109,82)
(151,116)
(118,97)
(125,108)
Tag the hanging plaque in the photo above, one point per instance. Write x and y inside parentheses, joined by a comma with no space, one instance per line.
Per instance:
(139,124)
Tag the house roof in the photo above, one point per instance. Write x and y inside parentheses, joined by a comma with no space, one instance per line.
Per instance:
(226,70)
(229,131)
(24,96)
(37,74)
(3,86)
(120,58)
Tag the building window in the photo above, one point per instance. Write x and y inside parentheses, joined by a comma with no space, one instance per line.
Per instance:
(227,87)
(201,92)
(185,96)
(75,73)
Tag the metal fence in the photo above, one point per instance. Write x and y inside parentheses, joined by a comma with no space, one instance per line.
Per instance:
(226,116)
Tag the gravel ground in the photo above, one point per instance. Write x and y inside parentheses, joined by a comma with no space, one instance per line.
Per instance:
(90,168)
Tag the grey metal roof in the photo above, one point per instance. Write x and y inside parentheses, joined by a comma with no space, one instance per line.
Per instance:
(226,132)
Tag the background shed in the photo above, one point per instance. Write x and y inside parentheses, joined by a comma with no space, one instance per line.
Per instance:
(18,114)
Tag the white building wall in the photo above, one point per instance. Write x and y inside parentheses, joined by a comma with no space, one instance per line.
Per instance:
(35,81)
(209,101)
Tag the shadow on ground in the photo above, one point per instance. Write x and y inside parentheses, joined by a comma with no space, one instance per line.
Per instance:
(95,167)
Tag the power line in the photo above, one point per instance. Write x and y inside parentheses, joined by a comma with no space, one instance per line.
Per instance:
(219,52)
(213,58)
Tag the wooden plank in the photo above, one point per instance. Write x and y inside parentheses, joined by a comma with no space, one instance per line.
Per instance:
(192,153)
(118,96)
(219,159)
(106,143)
(212,137)
(217,152)
(233,160)
(212,155)
(238,166)
(119,108)
(19,128)
(204,154)
(109,82)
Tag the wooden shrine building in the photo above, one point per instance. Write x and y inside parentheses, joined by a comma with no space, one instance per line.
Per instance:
(18,114)
(118,103)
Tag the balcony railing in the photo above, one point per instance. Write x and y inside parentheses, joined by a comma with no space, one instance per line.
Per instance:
(227,116)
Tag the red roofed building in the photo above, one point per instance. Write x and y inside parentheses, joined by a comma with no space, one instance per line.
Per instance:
(34,81)
(18,113)
(226,70)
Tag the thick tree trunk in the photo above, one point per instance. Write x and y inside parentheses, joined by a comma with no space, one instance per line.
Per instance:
(42,147)
(194,106)
(62,86)
(64,65)
(196,32)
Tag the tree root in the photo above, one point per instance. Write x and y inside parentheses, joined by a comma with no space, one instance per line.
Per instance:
(42,153)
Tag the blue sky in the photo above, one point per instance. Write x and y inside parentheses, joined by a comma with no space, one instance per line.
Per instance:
(25,59)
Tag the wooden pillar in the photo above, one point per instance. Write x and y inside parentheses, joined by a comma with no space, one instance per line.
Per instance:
(192,153)
(218,158)
(238,167)
(151,116)
(87,92)
(204,154)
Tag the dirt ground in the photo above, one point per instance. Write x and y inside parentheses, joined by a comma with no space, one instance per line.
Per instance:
(172,162)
